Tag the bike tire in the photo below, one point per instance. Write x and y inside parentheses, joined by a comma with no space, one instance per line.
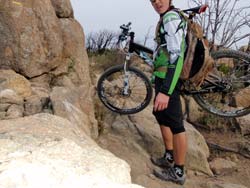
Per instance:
(112,97)
(229,64)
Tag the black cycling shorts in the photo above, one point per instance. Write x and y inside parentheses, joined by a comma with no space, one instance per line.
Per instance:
(172,116)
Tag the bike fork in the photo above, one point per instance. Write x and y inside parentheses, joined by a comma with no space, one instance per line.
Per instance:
(126,75)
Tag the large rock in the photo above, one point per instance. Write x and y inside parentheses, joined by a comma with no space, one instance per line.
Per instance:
(198,151)
(74,54)
(141,132)
(9,79)
(11,104)
(194,111)
(14,111)
(63,8)
(48,151)
(8,96)
(244,124)
(71,104)
(35,42)
(30,37)
(222,166)
(242,98)
(44,43)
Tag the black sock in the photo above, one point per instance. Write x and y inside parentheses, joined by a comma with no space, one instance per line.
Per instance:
(169,155)
(179,170)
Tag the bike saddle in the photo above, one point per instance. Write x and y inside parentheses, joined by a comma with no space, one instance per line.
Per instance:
(196,10)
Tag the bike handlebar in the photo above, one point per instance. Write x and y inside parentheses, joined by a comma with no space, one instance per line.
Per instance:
(126,27)
(125,32)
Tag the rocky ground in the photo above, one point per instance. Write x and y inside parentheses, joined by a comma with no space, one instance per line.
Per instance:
(240,172)
(231,170)
(227,145)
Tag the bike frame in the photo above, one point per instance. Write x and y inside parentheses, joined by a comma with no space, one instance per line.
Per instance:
(144,53)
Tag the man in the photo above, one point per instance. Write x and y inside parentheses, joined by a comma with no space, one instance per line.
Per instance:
(171,30)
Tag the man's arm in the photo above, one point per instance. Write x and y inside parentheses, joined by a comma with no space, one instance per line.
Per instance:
(175,37)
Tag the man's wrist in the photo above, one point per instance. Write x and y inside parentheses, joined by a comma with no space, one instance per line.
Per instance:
(165,92)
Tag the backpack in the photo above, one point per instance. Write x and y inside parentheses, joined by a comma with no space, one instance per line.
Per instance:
(197,61)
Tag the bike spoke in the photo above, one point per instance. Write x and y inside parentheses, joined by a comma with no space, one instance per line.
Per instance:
(226,91)
(125,93)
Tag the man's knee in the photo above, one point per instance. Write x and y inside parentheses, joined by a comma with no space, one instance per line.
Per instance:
(177,130)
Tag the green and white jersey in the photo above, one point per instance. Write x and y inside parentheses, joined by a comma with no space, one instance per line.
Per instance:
(171,31)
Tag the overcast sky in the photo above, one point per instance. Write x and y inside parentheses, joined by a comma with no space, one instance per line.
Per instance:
(96,15)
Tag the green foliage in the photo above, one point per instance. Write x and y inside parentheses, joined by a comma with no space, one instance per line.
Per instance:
(107,59)
(208,119)
(224,68)
(213,122)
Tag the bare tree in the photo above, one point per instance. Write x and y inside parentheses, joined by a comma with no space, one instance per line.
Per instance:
(90,42)
(226,22)
(100,41)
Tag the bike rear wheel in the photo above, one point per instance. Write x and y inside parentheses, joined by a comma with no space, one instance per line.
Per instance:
(111,85)
(233,74)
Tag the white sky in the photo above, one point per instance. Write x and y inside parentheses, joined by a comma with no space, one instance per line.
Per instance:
(96,15)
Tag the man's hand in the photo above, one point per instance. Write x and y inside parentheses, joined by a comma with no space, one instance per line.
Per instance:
(161,102)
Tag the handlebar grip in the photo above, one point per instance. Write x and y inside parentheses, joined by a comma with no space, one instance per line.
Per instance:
(125,27)
(129,23)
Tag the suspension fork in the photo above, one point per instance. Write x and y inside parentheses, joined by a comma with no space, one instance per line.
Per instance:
(127,64)
(126,74)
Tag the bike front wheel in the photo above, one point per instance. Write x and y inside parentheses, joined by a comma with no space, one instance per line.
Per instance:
(111,85)
(232,73)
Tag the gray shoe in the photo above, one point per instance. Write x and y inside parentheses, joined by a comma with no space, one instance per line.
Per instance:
(161,162)
(170,175)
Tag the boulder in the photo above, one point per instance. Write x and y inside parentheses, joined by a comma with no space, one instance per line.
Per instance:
(34,105)
(70,104)
(75,59)
(30,37)
(143,129)
(198,151)
(48,151)
(63,8)
(8,96)
(9,79)
(244,124)
(194,112)
(11,104)
(44,43)
(242,98)
(14,111)
(222,166)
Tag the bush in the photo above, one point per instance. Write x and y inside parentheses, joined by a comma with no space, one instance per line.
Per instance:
(107,59)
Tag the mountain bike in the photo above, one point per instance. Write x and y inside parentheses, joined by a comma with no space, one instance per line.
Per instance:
(125,89)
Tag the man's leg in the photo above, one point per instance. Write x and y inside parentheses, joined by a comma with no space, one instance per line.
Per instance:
(179,144)
(168,159)
(180,148)
(167,136)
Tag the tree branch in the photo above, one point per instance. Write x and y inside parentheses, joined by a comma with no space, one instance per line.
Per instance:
(227,149)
